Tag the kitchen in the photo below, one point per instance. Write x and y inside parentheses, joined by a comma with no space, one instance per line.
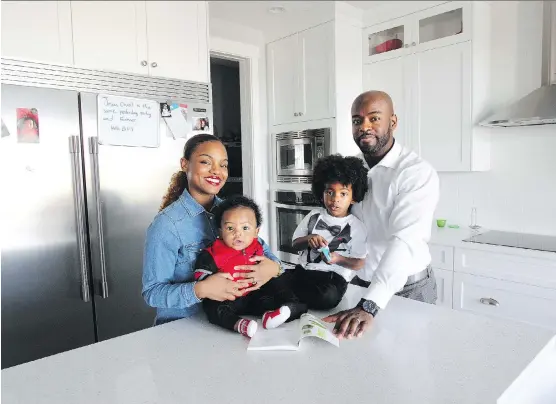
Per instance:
(343,70)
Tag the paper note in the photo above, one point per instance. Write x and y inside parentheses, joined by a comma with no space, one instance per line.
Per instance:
(177,122)
(126,121)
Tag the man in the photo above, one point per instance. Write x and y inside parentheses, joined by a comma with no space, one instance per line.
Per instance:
(397,212)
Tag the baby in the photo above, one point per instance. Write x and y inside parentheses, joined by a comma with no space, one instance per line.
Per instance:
(239,220)
(332,241)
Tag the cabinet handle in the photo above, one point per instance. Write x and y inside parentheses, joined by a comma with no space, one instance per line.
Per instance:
(144,63)
(295,114)
(406,45)
(301,113)
(413,44)
(154,64)
(489,301)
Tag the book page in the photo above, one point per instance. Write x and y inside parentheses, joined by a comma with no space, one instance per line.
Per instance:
(312,326)
(283,338)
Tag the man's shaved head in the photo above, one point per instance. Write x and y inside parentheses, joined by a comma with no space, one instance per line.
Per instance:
(373,122)
(369,96)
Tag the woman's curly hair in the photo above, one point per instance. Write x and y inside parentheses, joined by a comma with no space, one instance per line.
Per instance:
(345,170)
(236,201)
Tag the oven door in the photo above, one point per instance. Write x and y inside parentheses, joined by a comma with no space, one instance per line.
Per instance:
(295,156)
(289,217)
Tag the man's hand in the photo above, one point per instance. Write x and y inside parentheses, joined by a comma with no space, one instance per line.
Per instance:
(350,323)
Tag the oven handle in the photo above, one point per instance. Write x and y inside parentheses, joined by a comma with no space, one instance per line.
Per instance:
(300,207)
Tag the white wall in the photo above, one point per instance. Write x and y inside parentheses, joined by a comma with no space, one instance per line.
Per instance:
(219,28)
(519,192)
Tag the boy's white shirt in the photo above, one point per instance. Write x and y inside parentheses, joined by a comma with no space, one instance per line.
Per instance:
(355,248)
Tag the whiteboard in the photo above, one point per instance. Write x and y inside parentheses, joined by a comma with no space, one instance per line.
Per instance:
(124,121)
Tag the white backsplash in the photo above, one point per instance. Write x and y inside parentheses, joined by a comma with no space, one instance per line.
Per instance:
(517,194)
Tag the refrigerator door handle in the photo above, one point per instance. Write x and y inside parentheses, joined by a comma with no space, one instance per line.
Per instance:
(93,151)
(79,202)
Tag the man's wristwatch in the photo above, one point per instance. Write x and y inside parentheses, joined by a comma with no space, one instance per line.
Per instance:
(369,306)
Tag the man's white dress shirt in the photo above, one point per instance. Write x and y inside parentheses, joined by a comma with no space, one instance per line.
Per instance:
(397,213)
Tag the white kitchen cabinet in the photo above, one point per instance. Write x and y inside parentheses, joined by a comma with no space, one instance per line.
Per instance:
(443,25)
(498,298)
(441,106)
(437,75)
(444,285)
(282,79)
(110,35)
(300,76)
(316,76)
(37,30)
(390,76)
(177,39)
(163,38)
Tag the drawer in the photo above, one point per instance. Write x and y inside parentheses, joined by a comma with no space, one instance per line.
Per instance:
(508,267)
(493,297)
(442,256)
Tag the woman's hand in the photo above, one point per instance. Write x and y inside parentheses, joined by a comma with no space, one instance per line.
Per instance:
(220,286)
(315,241)
(257,275)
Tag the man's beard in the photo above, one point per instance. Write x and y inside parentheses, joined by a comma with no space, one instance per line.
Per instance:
(380,144)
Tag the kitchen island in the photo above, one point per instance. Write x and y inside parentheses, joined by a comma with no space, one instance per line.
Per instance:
(415,353)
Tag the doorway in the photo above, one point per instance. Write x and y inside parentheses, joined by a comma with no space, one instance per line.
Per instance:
(226,105)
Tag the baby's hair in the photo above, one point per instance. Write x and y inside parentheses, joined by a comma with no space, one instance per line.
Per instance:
(237,201)
(344,170)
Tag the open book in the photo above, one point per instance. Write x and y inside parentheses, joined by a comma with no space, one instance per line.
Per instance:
(288,336)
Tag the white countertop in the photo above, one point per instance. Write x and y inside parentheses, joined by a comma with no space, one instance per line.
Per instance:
(415,353)
(454,238)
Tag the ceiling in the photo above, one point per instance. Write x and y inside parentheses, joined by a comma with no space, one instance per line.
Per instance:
(256,14)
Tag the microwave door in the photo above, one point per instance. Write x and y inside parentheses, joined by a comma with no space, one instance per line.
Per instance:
(295,156)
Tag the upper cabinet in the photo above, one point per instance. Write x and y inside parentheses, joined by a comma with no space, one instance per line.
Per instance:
(37,30)
(110,35)
(162,38)
(439,26)
(436,69)
(300,76)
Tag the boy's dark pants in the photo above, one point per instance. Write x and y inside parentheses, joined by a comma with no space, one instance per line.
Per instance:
(275,293)
(319,290)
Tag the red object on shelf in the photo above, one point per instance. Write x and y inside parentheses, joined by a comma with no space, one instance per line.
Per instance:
(389,45)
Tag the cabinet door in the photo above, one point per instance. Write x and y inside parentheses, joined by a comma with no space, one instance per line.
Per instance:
(176,37)
(444,284)
(497,298)
(110,35)
(442,107)
(443,25)
(37,30)
(316,81)
(388,40)
(282,79)
(390,76)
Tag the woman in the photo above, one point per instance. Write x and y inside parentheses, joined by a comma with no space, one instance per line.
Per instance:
(183,227)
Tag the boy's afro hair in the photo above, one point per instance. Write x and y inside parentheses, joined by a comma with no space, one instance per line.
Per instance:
(345,170)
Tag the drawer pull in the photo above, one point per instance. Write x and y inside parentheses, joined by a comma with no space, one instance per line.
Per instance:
(489,301)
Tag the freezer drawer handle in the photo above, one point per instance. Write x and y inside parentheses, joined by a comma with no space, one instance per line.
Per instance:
(489,301)
(79,202)
(93,150)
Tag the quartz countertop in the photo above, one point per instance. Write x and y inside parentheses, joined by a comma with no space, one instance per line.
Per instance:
(415,353)
(454,238)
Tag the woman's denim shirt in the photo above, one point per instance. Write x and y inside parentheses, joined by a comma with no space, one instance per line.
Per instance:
(174,239)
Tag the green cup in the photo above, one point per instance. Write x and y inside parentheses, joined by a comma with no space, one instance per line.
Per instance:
(441,222)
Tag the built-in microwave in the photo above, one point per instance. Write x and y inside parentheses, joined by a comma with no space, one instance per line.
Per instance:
(291,207)
(297,152)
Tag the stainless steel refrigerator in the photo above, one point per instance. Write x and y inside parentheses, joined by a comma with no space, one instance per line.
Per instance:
(74,212)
